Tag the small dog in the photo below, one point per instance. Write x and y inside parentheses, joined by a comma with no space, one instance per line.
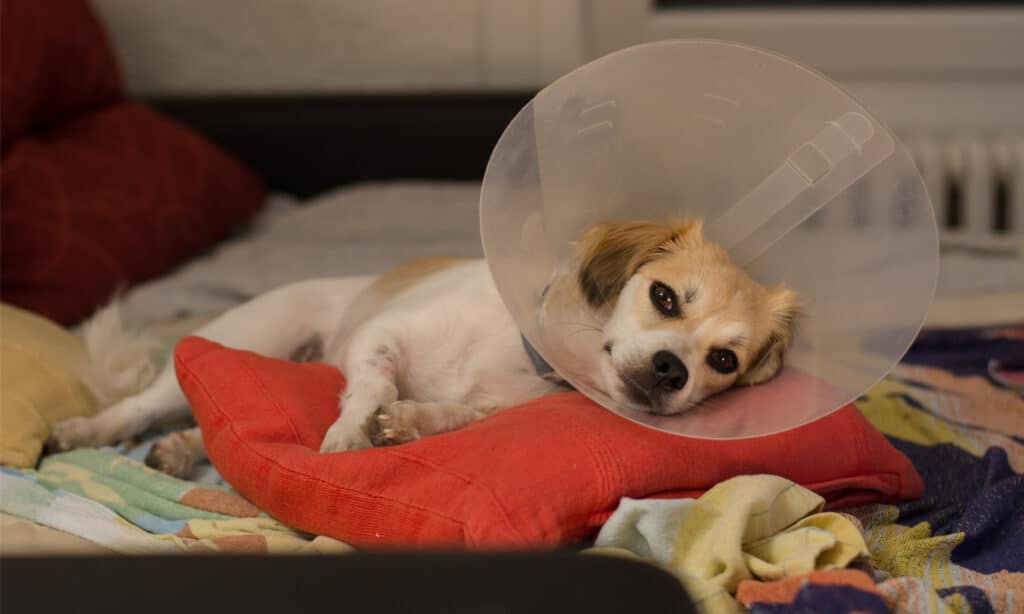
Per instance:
(429,347)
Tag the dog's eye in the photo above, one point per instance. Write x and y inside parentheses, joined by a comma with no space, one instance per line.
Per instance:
(723,361)
(664,299)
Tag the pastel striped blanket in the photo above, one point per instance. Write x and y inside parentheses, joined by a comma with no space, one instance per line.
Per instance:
(119,503)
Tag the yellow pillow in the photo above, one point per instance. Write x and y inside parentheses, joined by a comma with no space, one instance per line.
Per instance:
(37,385)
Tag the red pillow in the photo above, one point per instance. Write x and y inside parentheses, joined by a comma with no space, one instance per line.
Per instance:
(112,197)
(544,473)
(55,61)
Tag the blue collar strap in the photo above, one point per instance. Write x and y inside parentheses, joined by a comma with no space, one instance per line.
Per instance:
(541,366)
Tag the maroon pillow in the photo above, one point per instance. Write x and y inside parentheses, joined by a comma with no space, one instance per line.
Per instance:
(97,192)
(55,61)
(111,197)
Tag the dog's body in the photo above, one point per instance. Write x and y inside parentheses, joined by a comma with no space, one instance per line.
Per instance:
(433,333)
(430,347)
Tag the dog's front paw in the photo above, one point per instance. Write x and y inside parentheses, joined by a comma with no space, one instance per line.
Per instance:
(343,437)
(172,455)
(394,425)
(78,432)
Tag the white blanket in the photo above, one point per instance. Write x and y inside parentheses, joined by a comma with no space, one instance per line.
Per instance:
(350,231)
(369,228)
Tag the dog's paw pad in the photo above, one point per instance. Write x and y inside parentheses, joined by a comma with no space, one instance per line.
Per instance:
(171,455)
(388,427)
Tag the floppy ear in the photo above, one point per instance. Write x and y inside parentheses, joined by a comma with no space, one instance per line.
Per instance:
(783,308)
(611,252)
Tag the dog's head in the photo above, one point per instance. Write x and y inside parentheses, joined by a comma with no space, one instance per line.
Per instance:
(682,321)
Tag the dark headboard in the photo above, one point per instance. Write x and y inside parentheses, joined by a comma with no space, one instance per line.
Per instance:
(306,144)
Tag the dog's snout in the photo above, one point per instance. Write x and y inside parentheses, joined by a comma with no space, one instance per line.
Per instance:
(669,370)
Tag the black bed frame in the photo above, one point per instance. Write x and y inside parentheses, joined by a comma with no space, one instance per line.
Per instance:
(304,145)
(393,583)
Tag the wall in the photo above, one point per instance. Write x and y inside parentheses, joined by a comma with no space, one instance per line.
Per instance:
(330,46)
(954,70)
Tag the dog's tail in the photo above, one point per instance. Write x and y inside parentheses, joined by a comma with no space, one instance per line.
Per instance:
(121,362)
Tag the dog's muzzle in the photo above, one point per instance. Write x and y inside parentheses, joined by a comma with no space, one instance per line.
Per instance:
(653,385)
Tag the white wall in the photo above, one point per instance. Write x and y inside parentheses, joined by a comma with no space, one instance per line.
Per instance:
(958,70)
(331,46)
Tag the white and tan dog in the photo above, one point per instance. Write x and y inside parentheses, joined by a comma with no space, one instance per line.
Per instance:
(430,347)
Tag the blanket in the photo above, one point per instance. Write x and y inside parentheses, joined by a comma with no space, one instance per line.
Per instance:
(117,502)
(749,526)
(959,548)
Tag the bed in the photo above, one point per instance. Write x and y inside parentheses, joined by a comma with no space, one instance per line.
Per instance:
(357,185)
(949,407)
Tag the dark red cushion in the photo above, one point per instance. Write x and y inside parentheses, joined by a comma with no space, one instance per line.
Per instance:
(109,198)
(55,61)
(544,473)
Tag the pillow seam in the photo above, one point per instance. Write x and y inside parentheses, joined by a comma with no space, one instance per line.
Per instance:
(273,402)
(487,489)
(215,405)
(862,445)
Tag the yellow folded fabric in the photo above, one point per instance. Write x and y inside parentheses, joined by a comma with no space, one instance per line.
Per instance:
(37,384)
(762,527)
(820,541)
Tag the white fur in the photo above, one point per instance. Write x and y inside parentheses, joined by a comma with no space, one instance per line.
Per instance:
(449,345)
(120,362)
(435,357)
(444,351)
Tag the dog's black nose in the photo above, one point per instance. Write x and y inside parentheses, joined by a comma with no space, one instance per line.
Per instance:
(670,372)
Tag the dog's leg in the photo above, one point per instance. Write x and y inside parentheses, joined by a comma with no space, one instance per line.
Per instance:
(124,419)
(177,453)
(272,324)
(370,364)
(405,421)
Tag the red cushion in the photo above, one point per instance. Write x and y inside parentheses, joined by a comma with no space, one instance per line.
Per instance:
(544,473)
(112,197)
(55,61)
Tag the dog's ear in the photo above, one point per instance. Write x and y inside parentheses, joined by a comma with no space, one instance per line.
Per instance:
(783,307)
(611,252)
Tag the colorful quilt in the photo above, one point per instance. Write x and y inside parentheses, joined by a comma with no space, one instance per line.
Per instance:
(960,548)
(116,501)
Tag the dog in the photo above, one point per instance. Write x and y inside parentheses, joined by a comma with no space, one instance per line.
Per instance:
(429,347)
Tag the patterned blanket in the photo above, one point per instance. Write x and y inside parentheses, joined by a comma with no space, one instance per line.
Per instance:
(960,548)
(116,501)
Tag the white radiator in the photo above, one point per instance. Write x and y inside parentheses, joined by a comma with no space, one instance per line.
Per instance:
(976,185)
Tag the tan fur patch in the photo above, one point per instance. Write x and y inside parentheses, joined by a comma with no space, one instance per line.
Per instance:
(611,252)
(408,274)
(715,296)
(725,297)
(391,284)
